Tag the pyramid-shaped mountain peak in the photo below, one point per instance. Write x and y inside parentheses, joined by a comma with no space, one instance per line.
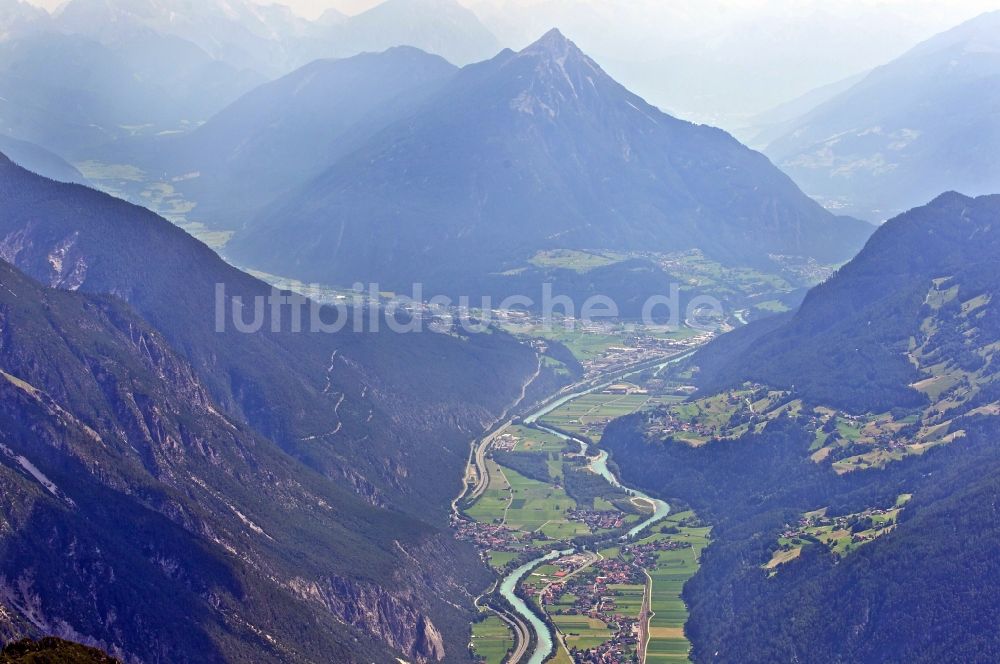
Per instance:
(552,43)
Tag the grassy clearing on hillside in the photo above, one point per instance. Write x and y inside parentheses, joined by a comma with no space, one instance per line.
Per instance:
(726,415)
(772,306)
(577,261)
(842,535)
(698,270)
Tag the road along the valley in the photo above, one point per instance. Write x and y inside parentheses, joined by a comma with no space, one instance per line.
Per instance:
(531,628)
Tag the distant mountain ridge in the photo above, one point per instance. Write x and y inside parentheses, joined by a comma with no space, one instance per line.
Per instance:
(39,160)
(529,151)
(286,132)
(142,69)
(71,94)
(442,27)
(273,40)
(926,122)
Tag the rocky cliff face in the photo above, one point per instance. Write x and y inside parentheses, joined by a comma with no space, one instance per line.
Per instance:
(170,494)
(390,618)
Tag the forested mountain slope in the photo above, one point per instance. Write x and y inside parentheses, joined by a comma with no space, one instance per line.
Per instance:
(921,292)
(848,457)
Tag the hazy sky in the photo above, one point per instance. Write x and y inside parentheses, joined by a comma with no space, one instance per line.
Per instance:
(724,61)
(946,9)
(717,61)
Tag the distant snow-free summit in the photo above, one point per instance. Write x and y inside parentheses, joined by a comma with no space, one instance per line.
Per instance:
(532,151)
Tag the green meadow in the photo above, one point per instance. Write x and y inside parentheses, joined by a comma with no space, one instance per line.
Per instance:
(582,631)
(591,411)
(491,639)
(667,642)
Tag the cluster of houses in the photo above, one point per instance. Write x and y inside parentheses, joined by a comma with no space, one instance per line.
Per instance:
(646,555)
(488,536)
(861,527)
(592,597)
(623,648)
(598,520)
(664,424)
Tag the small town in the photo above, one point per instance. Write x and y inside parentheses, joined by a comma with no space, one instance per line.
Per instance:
(610,592)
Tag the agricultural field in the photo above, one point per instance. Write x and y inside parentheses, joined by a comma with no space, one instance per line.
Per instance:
(699,271)
(491,640)
(588,415)
(772,306)
(541,507)
(582,632)
(499,559)
(628,598)
(851,443)
(585,345)
(525,504)
(602,346)
(533,440)
(667,642)
(492,505)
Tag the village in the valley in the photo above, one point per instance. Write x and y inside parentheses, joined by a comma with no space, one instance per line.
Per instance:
(601,599)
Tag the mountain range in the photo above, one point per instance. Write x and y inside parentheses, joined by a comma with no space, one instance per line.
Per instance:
(86,80)
(39,160)
(441,27)
(198,467)
(277,479)
(853,341)
(271,39)
(919,125)
(531,151)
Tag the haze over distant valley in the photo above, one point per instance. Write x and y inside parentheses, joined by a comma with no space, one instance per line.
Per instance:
(499,332)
